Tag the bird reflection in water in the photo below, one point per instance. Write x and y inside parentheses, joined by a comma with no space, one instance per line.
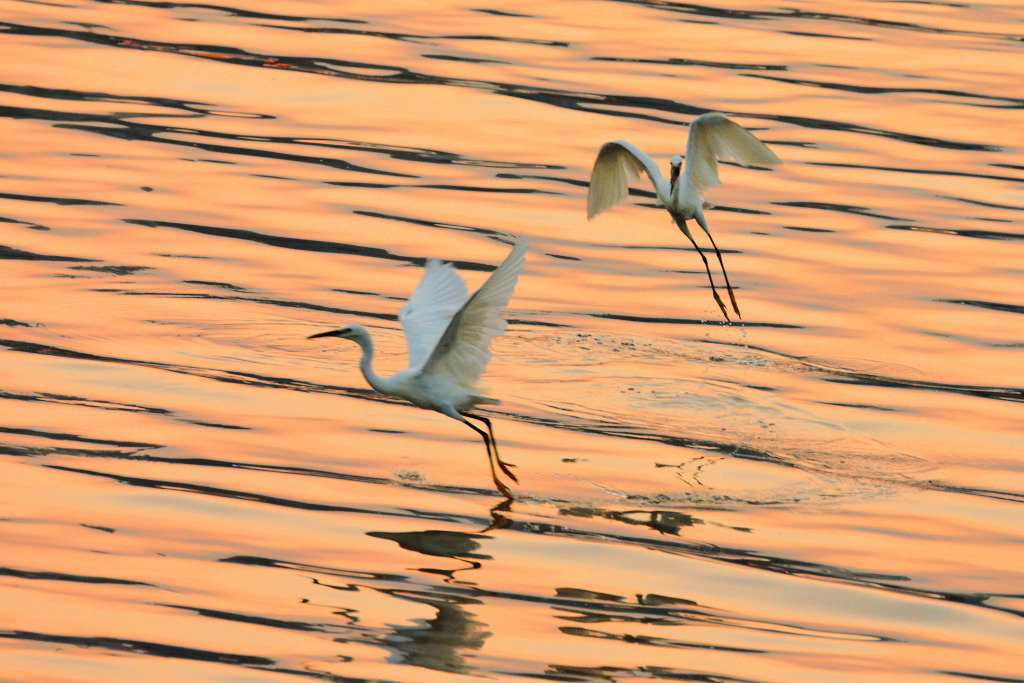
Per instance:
(440,643)
(451,544)
(662,521)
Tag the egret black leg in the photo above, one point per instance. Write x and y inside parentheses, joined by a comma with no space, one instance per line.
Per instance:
(714,292)
(728,285)
(494,444)
(490,458)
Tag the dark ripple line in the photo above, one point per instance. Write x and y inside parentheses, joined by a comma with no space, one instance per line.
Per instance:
(251,619)
(687,321)
(982,677)
(222,285)
(823,124)
(788,13)
(230,376)
(43,397)
(232,11)
(457,188)
(256,300)
(431,224)
(403,153)
(301,305)
(839,208)
(6,219)
(193,107)
(351,632)
(978,202)
(503,13)
(574,100)
(129,130)
(141,647)
(864,406)
(675,61)
(574,673)
(62,201)
(323,676)
(990,305)
(465,60)
(963,232)
(61,436)
(422,38)
(303,244)
(19,451)
(102,405)
(924,171)
(654,641)
(835,36)
(355,574)
(702,10)
(215,425)
(112,269)
(1009,496)
(836,374)
(119,127)
(19,255)
(1007,102)
(286,470)
(74,578)
(277,501)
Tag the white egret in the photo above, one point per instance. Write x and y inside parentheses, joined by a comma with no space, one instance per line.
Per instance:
(713,137)
(448,337)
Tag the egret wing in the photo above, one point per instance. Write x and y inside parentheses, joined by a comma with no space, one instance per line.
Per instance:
(463,352)
(713,138)
(425,316)
(617,163)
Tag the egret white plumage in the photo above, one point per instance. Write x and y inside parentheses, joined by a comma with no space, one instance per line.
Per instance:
(448,336)
(713,137)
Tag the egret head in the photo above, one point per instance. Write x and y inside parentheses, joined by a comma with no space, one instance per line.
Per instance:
(676,161)
(352,331)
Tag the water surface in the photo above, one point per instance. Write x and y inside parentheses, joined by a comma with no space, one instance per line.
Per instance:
(830,491)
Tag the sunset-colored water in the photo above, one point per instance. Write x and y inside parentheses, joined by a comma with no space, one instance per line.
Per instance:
(830,490)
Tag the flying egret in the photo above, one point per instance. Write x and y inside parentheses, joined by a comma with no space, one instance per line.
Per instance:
(448,337)
(713,137)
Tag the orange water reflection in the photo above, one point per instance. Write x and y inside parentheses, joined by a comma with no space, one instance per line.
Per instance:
(829,491)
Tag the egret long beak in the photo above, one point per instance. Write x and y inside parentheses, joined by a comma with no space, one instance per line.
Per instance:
(673,176)
(330,333)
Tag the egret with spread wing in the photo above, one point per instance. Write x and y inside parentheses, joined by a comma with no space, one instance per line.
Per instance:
(713,138)
(448,337)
